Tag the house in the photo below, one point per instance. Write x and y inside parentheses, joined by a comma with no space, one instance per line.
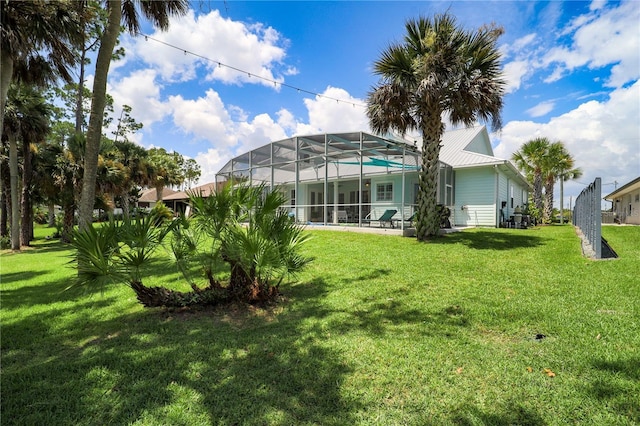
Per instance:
(487,189)
(179,201)
(355,177)
(626,202)
(149,197)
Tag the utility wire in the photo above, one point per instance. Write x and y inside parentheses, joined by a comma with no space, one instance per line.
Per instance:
(275,83)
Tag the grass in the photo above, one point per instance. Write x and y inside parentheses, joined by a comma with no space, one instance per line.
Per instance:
(379,330)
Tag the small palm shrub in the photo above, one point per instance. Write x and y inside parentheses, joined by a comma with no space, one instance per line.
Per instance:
(117,251)
(240,240)
(248,231)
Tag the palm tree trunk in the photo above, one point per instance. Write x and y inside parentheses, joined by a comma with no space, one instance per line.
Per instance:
(15,206)
(94,132)
(548,203)
(26,231)
(126,210)
(155,297)
(561,199)
(67,222)
(6,73)
(428,218)
(4,202)
(51,208)
(537,192)
(159,194)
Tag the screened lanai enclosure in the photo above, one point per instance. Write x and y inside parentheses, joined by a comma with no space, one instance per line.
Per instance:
(340,178)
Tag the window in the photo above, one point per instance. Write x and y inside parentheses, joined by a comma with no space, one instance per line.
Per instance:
(384,192)
(512,196)
(293,197)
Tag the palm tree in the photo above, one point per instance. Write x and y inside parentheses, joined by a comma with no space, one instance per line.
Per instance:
(166,169)
(557,164)
(118,12)
(135,160)
(29,30)
(566,175)
(26,119)
(530,159)
(440,68)
(34,129)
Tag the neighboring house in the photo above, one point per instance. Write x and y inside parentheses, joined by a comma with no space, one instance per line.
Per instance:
(179,201)
(149,198)
(355,177)
(626,202)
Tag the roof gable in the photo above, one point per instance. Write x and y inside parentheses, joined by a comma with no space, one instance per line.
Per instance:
(467,147)
(480,144)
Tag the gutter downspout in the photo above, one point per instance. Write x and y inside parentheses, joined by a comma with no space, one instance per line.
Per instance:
(403,190)
(496,210)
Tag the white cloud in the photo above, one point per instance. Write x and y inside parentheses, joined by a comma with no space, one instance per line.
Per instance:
(210,163)
(610,38)
(208,39)
(515,73)
(206,118)
(543,108)
(523,42)
(597,4)
(603,138)
(140,91)
(328,115)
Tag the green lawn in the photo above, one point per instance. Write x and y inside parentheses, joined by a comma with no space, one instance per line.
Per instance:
(379,330)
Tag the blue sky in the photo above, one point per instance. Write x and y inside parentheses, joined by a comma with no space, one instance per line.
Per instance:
(572,70)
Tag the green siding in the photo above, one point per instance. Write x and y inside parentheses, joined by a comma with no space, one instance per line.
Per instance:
(475,189)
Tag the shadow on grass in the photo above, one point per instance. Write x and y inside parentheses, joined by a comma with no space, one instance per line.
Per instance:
(491,239)
(618,389)
(87,364)
(48,246)
(13,277)
(514,413)
(62,290)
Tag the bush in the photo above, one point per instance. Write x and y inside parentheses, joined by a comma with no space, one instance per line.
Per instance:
(5,242)
(40,216)
(162,212)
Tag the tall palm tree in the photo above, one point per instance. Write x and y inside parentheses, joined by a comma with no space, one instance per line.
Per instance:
(35,126)
(134,158)
(26,120)
(118,12)
(530,159)
(557,164)
(440,68)
(567,174)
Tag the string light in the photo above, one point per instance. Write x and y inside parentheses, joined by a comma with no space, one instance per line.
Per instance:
(275,83)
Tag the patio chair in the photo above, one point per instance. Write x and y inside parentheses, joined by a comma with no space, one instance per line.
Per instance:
(409,219)
(385,218)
